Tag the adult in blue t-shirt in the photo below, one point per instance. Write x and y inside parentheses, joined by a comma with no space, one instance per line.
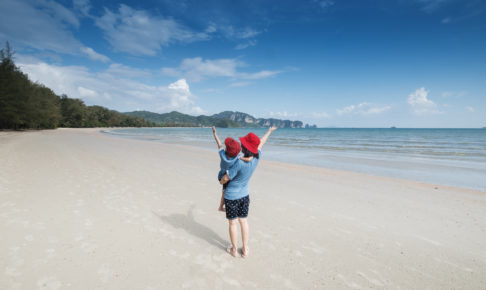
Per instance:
(237,194)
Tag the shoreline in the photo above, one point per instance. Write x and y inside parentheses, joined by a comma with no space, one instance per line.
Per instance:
(366,161)
(83,210)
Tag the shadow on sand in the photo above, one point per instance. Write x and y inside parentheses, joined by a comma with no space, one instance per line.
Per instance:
(187,223)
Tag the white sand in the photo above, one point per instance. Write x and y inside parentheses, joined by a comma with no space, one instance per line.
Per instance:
(80,210)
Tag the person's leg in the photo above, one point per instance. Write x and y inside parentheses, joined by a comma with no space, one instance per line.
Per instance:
(243,208)
(221,203)
(245,234)
(231,215)
(233,232)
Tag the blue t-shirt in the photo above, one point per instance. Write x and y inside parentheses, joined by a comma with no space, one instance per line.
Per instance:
(226,162)
(240,174)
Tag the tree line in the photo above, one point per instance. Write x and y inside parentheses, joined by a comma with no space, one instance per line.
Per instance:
(28,105)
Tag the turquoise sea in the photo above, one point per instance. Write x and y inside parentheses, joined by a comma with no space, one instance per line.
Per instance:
(455,157)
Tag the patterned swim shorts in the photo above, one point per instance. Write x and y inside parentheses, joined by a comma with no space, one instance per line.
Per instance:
(237,208)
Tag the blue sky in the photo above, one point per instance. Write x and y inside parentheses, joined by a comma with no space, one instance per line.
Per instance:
(404,63)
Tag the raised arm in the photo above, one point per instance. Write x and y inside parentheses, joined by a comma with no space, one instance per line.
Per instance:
(265,137)
(216,138)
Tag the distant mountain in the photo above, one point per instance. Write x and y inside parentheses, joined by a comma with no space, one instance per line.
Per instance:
(176,119)
(245,120)
(227,119)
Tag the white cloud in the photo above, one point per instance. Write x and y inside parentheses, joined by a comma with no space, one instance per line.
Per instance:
(110,89)
(259,75)
(123,71)
(83,6)
(87,93)
(453,94)
(364,109)
(470,109)
(321,115)
(58,12)
(197,69)
(240,84)
(94,55)
(431,5)
(233,33)
(446,20)
(283,114)
(324,3)
(420,103)
(345,110)
(369,108)
(42,25)
(140,33)
(247,44)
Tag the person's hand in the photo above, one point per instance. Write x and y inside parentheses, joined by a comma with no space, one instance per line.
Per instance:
(273,128)
(224,179)
(214,129)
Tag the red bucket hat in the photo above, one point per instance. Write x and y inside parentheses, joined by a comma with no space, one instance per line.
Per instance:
(251,142)
(232,147)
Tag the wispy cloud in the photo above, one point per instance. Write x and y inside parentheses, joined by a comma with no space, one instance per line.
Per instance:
(454,94)
(141,33)
(283,114)
(345,110)
(247,44)
(470,109)
(446,20)
(324,3)
(420,104)
(83,6)
(110,88)
(124,71)
(94,55)
(364,109)
(431,5)
(197,69)
(58,12)
(43,25)
(240,84)
(245,33)
(320,115)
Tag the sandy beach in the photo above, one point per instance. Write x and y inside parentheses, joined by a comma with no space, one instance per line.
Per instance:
(82,210)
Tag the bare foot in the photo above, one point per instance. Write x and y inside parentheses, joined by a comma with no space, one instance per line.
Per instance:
(232,251)
(221,209)
(245,252)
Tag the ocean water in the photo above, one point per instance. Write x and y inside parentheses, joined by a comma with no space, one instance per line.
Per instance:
(455,157)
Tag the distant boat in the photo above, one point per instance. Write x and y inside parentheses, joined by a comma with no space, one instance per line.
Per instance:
(393,127)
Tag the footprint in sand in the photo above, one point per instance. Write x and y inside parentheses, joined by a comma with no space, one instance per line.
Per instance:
(287,283)
(370,279)
(88,247)
(12,271)
(88,223)
(350,284)
(51,253)
(49,283)
(315,248)
(105,273)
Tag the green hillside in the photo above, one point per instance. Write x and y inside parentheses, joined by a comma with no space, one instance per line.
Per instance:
(227,119)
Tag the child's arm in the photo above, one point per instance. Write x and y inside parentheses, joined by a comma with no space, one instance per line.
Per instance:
(263,140)
(224,179)
(216,138)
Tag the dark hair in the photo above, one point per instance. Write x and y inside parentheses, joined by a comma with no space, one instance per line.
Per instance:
(248,153)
